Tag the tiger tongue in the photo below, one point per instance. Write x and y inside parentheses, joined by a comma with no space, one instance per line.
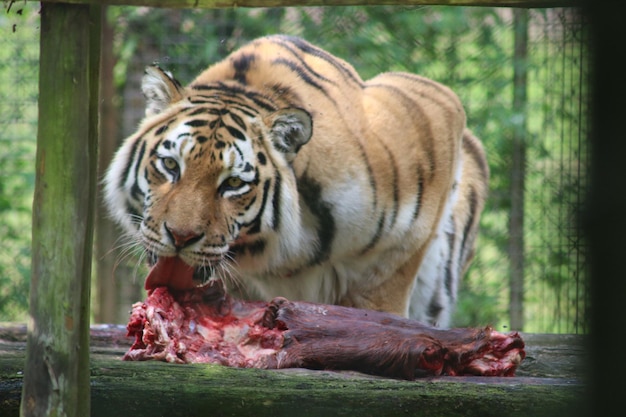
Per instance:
(170,272)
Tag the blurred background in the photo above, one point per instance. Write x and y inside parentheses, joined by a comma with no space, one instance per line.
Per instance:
(521,74)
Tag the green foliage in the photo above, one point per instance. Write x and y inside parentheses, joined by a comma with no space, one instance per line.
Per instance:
(187,40)
(19,60)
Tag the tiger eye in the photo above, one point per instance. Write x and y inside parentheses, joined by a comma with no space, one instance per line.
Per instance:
(234,182)
(170,164)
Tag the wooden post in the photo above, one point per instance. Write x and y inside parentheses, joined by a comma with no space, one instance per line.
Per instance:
(518,171)
(56,379)
(105,309)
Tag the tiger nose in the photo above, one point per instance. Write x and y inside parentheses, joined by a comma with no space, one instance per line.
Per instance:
(182,238)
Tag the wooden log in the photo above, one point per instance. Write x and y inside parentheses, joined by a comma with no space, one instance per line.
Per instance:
(56,375)
(548,383)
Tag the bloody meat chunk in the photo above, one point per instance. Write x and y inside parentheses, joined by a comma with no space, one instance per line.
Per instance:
(204,325)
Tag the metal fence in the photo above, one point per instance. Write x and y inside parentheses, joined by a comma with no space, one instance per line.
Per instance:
(557,276)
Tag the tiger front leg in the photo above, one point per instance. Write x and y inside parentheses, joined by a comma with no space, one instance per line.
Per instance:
(385,291)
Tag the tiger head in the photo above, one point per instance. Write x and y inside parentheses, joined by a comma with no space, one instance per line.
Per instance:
(207,177)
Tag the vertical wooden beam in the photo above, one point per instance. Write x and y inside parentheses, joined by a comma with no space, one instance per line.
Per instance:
(518,170)
(604,221)
(105,308)
(56,379)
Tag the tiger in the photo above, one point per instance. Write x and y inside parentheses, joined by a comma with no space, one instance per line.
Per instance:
(280,172)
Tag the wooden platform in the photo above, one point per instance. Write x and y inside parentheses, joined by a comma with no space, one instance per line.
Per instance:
(548,383)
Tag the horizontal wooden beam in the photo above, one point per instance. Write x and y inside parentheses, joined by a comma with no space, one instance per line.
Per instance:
(549,382)
(208,4)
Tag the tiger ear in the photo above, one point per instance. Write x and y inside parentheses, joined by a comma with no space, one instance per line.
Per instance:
(160,89)
(290,129)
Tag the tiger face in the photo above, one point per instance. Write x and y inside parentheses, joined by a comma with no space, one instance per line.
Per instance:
(236,179)
(207,171)
(281,172)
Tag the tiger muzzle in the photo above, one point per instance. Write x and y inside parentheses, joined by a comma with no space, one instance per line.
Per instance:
(182,238)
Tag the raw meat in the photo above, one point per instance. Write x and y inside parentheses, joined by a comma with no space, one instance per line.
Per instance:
(206,325)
